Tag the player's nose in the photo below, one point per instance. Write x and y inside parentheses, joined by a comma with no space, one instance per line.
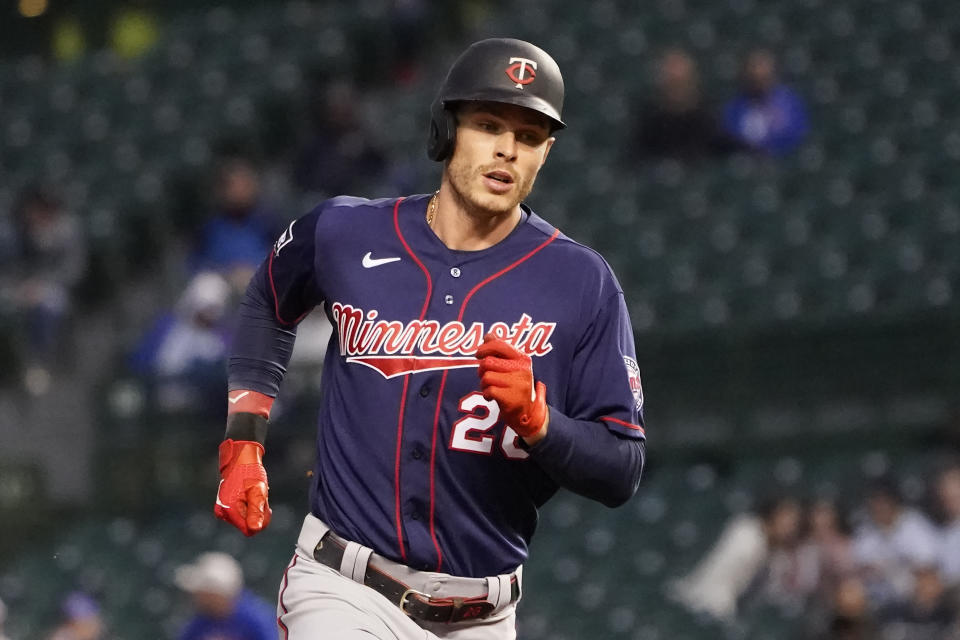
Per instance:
(506,146)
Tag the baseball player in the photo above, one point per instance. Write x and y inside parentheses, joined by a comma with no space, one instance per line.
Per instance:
(480,361)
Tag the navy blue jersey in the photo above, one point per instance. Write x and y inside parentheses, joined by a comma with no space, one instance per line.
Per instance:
(411,460)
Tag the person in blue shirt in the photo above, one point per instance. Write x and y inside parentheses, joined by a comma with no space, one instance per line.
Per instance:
(182,357)
(676,122)
(81,618)
(224,609)
(242,227)
(766,115)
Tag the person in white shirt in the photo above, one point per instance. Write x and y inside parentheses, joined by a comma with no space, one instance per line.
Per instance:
(749,545)
(892,541)
(948,496)
(3,618)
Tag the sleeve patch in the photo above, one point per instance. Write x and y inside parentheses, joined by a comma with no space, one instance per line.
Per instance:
(633,377)
(285,238)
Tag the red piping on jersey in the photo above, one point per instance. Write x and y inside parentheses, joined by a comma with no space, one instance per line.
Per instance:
(396,468)
(406,385)
(443,380)
(396,226)
(625,424)
(463,307)
(276,301)
(286,581)
(433,455)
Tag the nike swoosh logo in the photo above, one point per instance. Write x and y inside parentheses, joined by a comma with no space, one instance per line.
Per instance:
(220,504)
(369,262)
(236,399)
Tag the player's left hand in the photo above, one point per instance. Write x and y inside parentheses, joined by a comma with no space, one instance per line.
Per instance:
(242,494)
(506,375)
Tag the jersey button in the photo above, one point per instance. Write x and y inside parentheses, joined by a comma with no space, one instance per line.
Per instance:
(417,453)
(415,515)
(424,391)
(455,272)
(448,299)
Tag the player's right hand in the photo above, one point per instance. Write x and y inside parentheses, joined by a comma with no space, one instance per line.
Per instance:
(506,375)
(242,494)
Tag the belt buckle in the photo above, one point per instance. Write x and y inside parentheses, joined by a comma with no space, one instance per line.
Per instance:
(405,595)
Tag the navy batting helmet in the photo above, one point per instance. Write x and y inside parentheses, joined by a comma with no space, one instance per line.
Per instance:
(495,70)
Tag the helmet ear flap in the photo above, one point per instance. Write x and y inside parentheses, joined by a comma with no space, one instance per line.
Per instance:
(443,131)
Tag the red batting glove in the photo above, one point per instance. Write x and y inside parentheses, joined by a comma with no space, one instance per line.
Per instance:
(242,494)
(506,375)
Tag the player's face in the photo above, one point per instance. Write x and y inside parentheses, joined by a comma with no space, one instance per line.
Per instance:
(499,150)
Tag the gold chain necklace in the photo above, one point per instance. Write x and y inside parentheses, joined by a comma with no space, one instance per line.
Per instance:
(432,209)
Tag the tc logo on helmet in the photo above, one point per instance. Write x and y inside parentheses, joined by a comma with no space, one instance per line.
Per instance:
(521,71)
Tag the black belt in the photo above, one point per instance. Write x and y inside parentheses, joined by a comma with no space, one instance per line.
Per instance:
(413,603)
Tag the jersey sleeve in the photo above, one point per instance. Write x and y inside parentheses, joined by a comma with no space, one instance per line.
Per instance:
(605,381)
(288,275)
(595,443)
(281,293)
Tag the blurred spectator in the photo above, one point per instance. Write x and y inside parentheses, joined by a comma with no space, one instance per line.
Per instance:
(677,124)
(338,156)
(893,541)
(224,610)
(928,615)
(851,618)
(827,545)
(243,228)
(50,257)
(183,356)
(785,580)
(3,619)
(948,496)
(81,619)
(766,115)
(410,24)
(738,560)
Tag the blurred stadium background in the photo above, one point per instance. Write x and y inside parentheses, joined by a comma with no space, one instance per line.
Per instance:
(796,318)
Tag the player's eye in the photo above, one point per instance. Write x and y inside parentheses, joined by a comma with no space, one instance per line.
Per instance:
(487,125)
(532,138)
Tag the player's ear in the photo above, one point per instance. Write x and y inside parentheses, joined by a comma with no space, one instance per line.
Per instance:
(546,151)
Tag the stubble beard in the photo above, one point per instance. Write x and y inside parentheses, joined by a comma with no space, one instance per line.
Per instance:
(467,187)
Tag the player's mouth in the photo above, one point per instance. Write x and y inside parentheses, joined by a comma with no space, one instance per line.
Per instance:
(498,181)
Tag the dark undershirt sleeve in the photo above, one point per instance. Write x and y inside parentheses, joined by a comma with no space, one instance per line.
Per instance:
(280,294)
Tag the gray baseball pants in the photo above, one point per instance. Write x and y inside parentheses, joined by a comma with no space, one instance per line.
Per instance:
(317,602)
